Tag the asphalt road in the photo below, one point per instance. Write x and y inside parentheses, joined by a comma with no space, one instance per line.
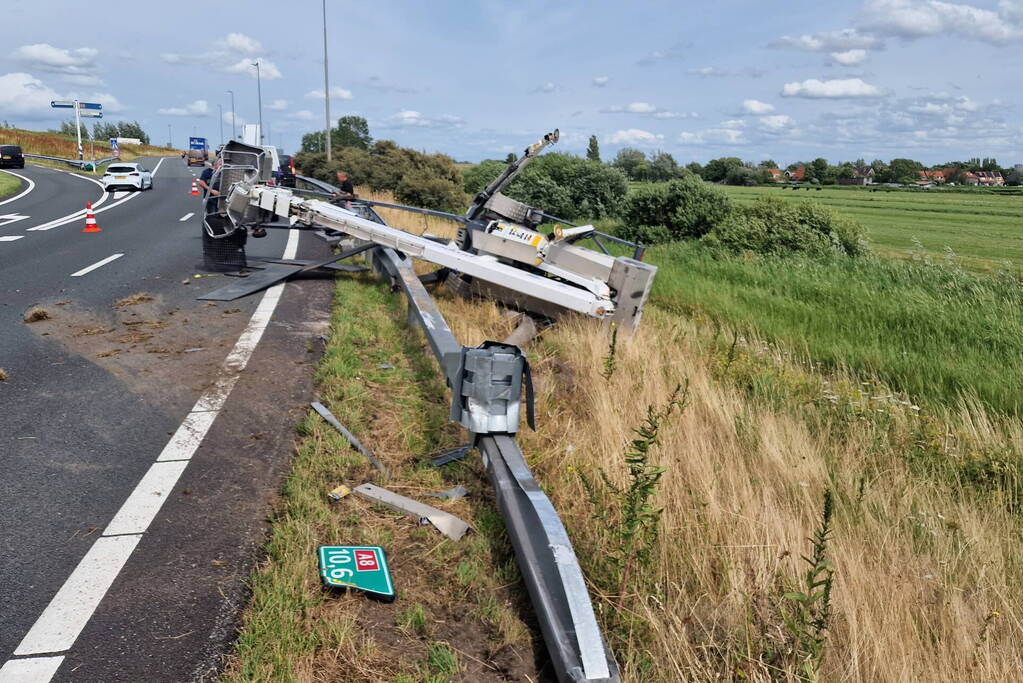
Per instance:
(92,397)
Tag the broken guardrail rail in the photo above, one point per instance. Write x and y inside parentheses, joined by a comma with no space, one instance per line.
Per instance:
(486,385)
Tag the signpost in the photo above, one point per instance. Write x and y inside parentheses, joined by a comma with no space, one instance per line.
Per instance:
(115,150)
(88,109)
(354,566)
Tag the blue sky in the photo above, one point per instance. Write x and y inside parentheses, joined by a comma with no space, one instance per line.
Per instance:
(927,79)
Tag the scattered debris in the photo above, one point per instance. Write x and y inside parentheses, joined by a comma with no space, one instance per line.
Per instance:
(133,300)
(89,331)
(452,493)
(450,455)
(186,282)
(446,523)
(339,493)
(360,567)
(329,417)
(108,354)
(218,563)
(194,349)
(385,366)
(63,303)
(230,310)
(36,314)
(3,375)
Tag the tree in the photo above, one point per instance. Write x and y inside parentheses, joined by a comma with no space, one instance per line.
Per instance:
(717,170)
(663,167)
(314,142)
(510,159)
(904,171)
(352,131)
(767,163)
(695,168)
(631,161)
(593,149)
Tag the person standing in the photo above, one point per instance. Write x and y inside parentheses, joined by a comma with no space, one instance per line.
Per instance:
(346,191)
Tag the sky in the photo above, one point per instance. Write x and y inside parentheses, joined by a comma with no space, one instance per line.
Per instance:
(926,79)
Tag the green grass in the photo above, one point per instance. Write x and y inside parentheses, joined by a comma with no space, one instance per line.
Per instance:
(933,330)
(984,229)
(8,185)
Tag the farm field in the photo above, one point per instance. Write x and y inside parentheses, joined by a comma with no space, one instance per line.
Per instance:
(984,230)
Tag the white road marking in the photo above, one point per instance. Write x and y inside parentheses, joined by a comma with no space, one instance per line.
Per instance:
(10,238)
(34,670)
(80,214)
(74,604)
(9,218)
(186,217)
(31,186)
(118,194)
(94,266)
(66,615)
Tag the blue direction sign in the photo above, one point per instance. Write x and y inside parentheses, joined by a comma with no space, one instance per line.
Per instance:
(354,566)
(62,104)
(89,105)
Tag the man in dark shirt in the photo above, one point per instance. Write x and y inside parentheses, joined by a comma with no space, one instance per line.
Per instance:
(204,182)
(346,191)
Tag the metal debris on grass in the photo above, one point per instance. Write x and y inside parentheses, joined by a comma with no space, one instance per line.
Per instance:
(450,455)
(445,522)
(453,493)
(339,493)
(329,417)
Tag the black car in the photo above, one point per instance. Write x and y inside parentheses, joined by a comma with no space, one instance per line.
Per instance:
(10,155)
(286,173)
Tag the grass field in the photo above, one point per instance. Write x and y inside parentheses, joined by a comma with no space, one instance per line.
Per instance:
(8,185)
(66,147)
(985,230)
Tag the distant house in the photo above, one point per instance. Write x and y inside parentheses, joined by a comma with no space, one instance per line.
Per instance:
(970,179)
(933,176)
(798,174)
(776,175)
(990,178)
(863,176)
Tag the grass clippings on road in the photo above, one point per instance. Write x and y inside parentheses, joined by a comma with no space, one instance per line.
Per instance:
(459,608)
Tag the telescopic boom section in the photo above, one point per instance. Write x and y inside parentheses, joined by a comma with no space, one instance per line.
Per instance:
(514,168)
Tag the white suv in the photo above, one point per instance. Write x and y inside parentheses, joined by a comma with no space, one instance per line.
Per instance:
(127,176)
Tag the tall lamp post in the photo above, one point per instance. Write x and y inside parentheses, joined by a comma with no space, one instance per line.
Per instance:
(326,82)
(259,95)
(220,109)
(234,131)
(170,138)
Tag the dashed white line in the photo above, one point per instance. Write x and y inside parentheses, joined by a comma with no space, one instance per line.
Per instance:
(10,238)
(98,264)
(186,217)
(60,624)
(31,186)
(31,670)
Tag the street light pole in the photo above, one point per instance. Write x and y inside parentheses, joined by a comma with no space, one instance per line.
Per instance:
(326,83)
(220,109)
(259,95)
(170,138)
(234,131)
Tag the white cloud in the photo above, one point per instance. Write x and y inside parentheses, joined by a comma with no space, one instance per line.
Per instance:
(547,87)
(238,120)
(776,122)
(601,81)
(302,115)
(634,136)
(75,66)
(713,136)
(757,107)
(850,57)
(197,108)
(828,41)
(336,93)
(733,124)
(912,19)
(833,89)
(24,95)
(268,71)
(718,72)
(409,118)
(674,115)
(645,109)
(277,105)
(1012,10)
(243,44)
(677,52)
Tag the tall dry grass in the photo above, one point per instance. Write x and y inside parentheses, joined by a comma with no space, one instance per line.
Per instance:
(55,145)
(927,576)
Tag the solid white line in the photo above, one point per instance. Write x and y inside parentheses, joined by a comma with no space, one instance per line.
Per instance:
(33,670)
(146,500)
(66,615)
(10,238)
(186,217)
(98,264)
(31,186)
(70,610)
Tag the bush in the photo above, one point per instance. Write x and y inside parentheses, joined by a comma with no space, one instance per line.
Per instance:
(686,208)
(424,188)
(644,234)
(775,226)
(559,184)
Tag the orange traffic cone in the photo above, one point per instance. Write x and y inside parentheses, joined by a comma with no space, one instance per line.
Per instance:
(195,189)
(90,220)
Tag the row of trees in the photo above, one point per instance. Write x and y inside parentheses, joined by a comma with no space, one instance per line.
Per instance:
(105,131)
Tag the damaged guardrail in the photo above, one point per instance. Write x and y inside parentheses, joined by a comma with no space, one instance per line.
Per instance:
(79,163)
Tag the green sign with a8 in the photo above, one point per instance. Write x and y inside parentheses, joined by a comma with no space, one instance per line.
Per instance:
(357,566)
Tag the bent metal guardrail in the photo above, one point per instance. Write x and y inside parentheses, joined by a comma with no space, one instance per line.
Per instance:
(79,163)
(489,407)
